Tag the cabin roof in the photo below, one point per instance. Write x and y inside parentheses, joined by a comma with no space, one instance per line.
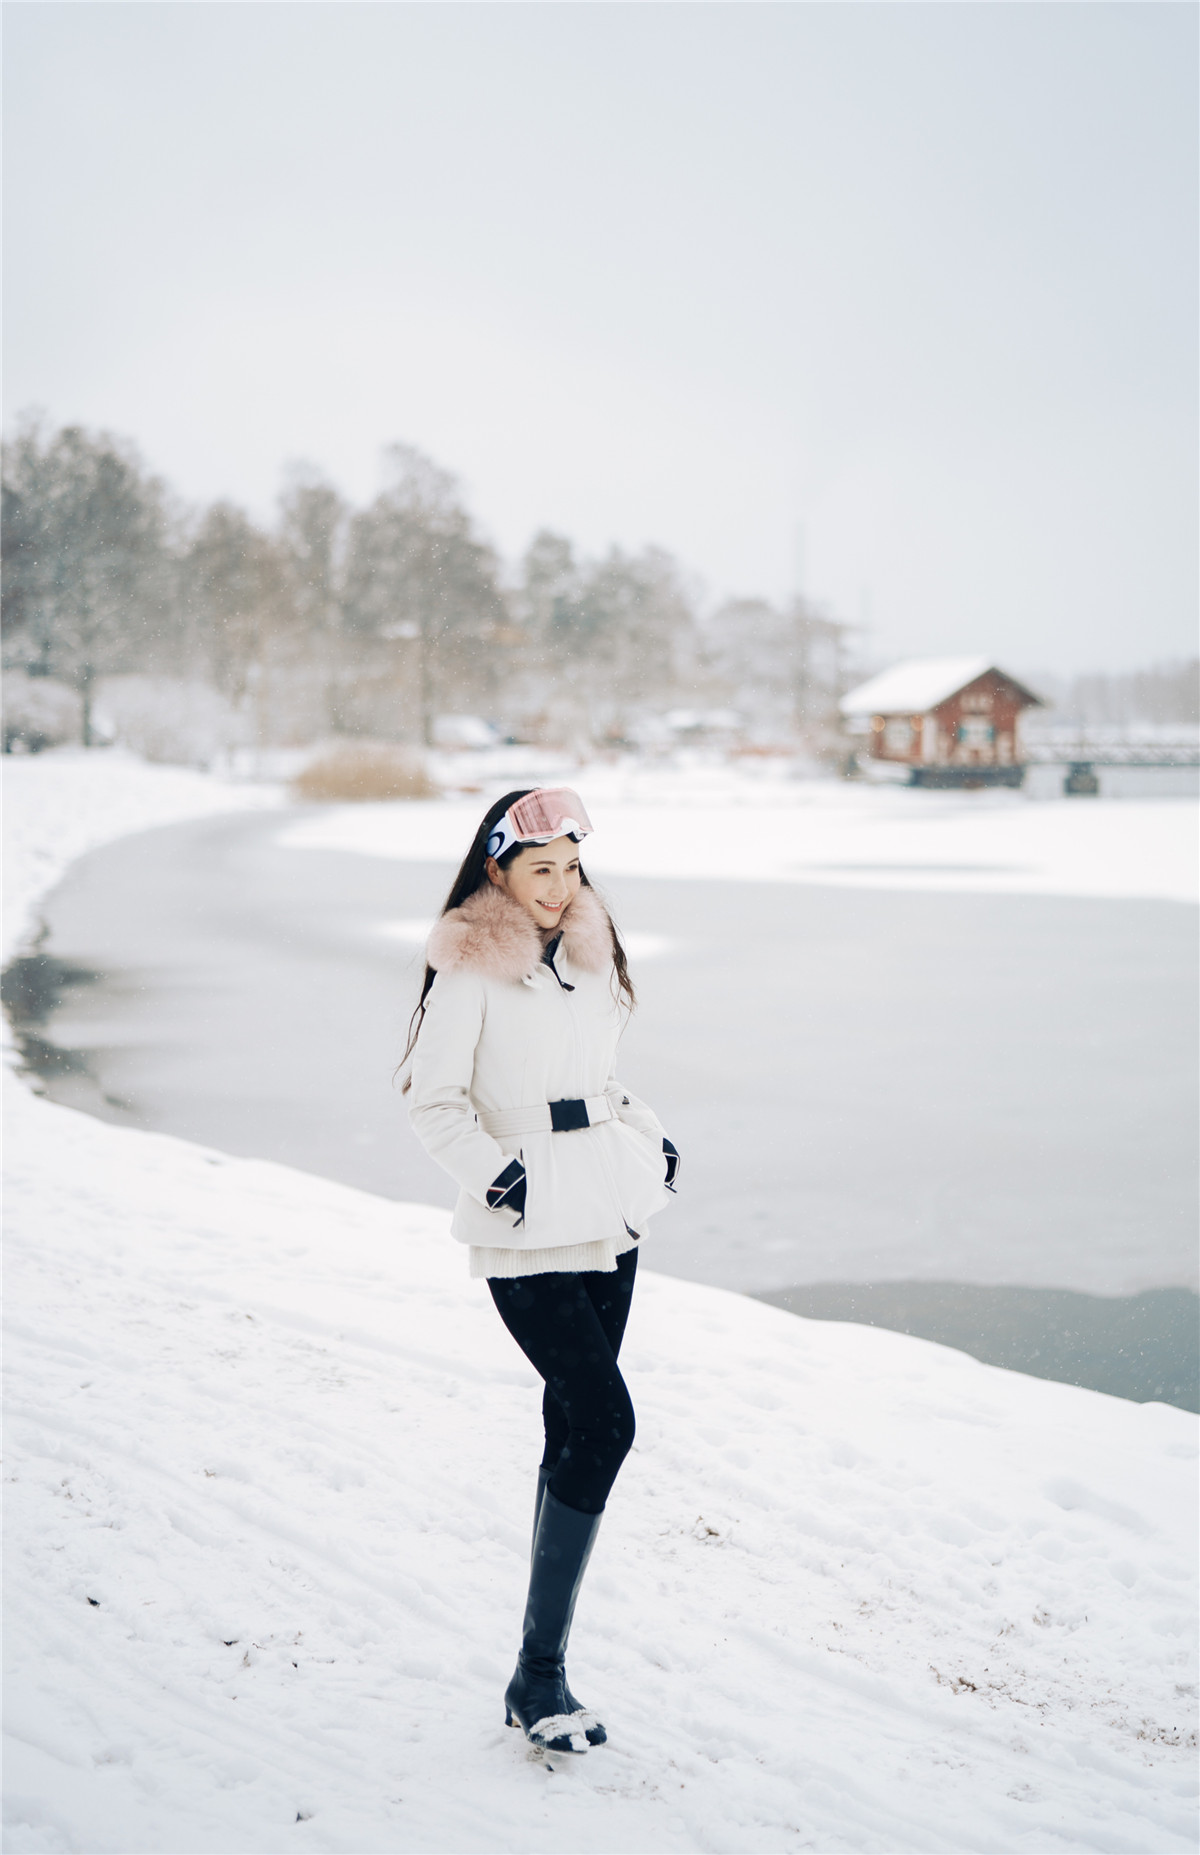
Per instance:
(919,684)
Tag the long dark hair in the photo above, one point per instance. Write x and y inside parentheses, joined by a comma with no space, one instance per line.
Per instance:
(472,875)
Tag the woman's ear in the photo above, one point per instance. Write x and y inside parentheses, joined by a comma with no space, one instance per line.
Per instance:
(495,873)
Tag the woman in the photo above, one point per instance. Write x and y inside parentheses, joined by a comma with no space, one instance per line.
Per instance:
(514,1093)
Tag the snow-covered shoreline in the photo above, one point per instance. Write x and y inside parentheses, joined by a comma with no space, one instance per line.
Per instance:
(270,1477)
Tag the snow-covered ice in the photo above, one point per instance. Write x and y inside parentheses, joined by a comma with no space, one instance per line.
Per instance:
(270,1478)
(59,805)
(822,831)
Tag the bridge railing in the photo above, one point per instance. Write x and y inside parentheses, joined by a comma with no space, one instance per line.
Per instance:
(1112,753)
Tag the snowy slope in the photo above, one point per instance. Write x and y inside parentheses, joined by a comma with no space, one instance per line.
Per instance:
(270,1466)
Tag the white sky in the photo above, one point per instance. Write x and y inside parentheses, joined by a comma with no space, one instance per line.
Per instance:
(914,282)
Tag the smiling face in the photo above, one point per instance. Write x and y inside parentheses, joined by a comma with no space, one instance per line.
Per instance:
(543,879)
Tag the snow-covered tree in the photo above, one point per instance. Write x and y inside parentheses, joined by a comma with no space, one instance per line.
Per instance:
(86,569)
(236,597)
(313,521)
(782,667)
(602,640)
(421,606)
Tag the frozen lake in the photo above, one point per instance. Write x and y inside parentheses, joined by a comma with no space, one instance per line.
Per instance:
(867,1085)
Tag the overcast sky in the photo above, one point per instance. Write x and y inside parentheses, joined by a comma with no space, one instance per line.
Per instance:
(897,299)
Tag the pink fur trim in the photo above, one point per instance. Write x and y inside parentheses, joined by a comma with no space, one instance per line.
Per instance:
(489,934)
(493,935)
(587,934)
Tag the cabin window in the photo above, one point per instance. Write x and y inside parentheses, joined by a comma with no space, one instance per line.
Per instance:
(975,733)
(897,734)
(980,701)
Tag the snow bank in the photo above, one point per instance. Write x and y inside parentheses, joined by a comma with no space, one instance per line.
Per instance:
(271,1473)
(59,805)
(825,832)
(271,1462)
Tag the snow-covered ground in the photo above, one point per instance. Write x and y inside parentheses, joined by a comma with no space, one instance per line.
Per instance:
(270,1478)
(270,1474)
(713,823)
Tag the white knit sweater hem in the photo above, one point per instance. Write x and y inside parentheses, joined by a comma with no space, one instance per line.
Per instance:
(567,1258)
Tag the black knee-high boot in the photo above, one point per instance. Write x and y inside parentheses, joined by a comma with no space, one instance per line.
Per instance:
(536,1697)
(592,1728)
(544,1475)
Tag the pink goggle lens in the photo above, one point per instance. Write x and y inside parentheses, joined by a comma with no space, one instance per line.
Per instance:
(553,811)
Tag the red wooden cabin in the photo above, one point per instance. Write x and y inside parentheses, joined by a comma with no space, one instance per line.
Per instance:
(953,721)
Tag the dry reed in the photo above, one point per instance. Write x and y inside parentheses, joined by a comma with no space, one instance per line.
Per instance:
(364,771)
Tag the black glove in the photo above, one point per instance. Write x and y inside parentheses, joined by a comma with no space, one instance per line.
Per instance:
(672,1158)
(509,1190)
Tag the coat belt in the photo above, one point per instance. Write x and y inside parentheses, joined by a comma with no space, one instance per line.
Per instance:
(547,1117)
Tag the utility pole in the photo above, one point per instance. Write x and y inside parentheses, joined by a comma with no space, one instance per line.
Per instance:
(799,640)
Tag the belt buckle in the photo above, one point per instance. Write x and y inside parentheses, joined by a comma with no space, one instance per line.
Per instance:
(567,1116)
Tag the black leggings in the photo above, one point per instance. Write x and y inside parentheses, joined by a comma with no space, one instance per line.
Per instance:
(570,1328)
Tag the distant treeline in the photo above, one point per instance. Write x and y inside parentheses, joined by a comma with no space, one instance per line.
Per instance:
(1166,695)
(376,621)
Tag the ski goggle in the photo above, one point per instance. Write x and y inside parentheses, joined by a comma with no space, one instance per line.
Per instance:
(545,813)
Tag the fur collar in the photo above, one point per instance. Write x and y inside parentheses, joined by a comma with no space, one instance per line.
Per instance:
(493,935)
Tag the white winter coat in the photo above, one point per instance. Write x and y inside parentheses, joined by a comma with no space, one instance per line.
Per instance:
(500,1032)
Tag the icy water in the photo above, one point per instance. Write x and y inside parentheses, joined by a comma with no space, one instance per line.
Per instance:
(888,1103)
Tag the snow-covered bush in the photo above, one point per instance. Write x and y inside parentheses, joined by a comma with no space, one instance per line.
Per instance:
(464,731)
(39,712)
(168,719)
